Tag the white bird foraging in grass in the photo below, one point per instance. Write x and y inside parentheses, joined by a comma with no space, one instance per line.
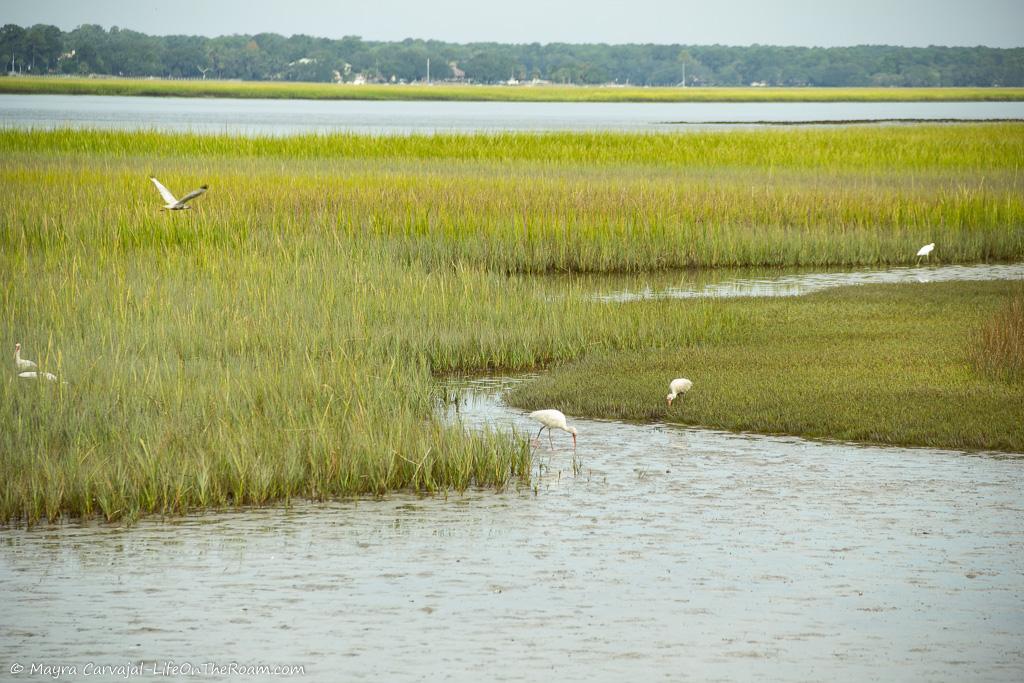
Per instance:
(27,369)
(553,419)
(48,376)
(925,251)
(176,204)
(22,364)
(678,386)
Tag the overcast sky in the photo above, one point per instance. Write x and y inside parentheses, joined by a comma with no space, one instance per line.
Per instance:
(996,23)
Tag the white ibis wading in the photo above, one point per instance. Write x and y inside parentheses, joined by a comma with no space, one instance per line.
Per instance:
(924,252)
(553,419)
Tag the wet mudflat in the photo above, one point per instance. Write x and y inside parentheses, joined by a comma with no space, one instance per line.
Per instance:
(654,553)
(766,282)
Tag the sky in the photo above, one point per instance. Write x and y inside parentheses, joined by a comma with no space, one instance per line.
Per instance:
(995,23)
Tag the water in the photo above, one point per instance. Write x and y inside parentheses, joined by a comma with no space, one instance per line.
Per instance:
(670,553)
(725,283)
(282,117)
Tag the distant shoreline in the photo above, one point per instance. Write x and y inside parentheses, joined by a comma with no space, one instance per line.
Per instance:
(52,85)
(836,122)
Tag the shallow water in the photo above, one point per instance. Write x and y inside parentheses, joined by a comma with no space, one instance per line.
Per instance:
(287,117)
(719,283)
(670,553)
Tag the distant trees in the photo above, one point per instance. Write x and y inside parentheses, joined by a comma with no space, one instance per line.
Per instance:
(269,56)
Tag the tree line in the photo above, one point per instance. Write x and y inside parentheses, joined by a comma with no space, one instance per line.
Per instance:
(91,49)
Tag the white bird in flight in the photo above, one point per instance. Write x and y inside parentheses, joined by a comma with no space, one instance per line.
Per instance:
(553,419)
(925,251)
(678,386)
(176,204)
(22,364)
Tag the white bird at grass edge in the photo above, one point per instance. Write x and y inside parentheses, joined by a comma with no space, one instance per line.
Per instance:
(176,204)
(22,364)
(553,419)
(925,251)
(678,386)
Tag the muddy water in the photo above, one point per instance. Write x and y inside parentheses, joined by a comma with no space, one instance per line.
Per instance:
(657,553)
(787,282)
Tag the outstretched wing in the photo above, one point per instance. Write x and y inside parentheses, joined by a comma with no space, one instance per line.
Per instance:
(191,195)
(164,192)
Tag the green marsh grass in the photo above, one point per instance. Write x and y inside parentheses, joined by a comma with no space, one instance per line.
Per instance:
(545,93)
(284,338)
(875,363)
(569,202)
(241,373)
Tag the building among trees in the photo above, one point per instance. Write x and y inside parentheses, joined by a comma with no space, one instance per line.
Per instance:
(267,56)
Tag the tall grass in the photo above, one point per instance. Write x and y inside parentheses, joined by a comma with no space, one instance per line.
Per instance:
(555,203)
(204,374)
(283,338)
(997,348)
(546,93)
(899,150)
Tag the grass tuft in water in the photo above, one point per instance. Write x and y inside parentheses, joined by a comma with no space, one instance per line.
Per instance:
(997,348)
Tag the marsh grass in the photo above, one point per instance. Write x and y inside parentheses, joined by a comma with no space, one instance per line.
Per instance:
(205,376)
(547,93)
(902,150)
(283,339)
(997,348)
(552,203)
(875,363)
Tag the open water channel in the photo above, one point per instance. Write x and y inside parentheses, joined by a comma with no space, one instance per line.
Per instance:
(287,117)
(653,552)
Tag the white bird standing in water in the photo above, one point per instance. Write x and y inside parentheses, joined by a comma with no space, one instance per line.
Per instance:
(22,364)
(925,251)
(678,386)
(176,204)
(553,419)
